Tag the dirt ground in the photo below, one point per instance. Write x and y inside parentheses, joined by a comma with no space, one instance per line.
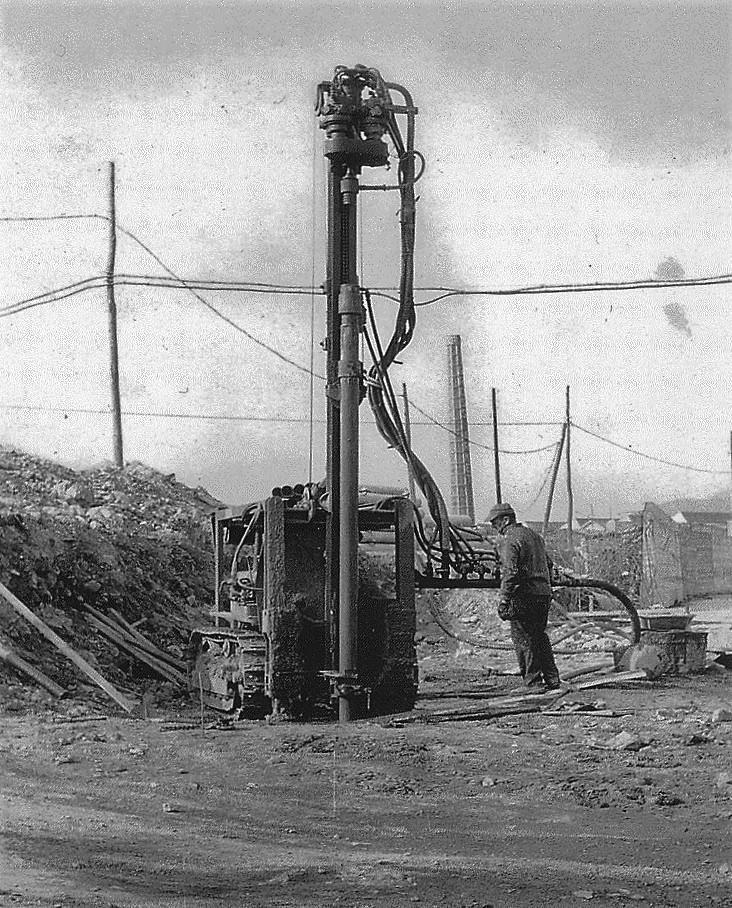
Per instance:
(180,809)
(525,810)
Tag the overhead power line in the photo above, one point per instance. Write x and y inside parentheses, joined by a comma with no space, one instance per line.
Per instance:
(212,308)
(632,450)
(222,417)
(443,292)
(55,217)
(192,284)
(478,444)
(143,280)
(81,286)
(230,417)
(537,289)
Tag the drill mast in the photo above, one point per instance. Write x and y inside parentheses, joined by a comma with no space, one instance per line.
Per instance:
(353,110)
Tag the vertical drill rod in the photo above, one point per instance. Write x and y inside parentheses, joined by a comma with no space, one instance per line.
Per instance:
(349,374)
(333,455)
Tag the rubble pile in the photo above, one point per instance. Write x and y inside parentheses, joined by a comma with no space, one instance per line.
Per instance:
(132,540)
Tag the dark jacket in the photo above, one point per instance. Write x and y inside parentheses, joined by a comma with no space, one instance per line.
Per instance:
(525,565)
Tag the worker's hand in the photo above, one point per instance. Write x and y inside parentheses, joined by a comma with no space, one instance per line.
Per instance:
(505,610)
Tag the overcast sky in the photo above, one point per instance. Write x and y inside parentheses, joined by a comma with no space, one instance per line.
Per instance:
(564,142)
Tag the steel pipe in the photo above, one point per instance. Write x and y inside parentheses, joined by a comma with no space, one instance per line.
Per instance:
(351,314)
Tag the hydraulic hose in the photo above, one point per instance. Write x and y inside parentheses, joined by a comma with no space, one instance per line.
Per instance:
(592,584)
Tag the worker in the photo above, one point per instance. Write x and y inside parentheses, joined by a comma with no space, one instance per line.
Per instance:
(525,596)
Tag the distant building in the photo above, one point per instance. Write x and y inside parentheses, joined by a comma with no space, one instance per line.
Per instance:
(588,526)
(686,555)
(703,518)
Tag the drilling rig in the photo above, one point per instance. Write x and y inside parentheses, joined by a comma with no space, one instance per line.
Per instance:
(310,617)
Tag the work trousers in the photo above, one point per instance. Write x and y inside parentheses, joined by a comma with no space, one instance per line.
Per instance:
(530,640)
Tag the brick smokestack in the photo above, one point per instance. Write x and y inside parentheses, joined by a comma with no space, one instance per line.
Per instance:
(461,474)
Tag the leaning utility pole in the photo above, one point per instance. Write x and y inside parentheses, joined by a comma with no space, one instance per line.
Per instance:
(461,471)
(112,324)
(570,494)
(553,481)
(408,433)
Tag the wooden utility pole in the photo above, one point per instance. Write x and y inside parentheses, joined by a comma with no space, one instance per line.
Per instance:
(729,522)
(112,324)
(496,457)
(553,481)
(570,495)
(408,433)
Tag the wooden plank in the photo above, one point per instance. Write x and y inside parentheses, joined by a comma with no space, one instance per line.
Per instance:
(162,668)
(166,671)
(499,704)
(138,639)
(462,715)
(7,655)
(109,689)
(486,714)
(132,631)
(605,665)
(614,678)
(145,642)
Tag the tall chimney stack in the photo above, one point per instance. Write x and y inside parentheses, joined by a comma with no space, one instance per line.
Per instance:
(461,474)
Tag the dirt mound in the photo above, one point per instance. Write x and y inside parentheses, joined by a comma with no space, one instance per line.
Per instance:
(134,540)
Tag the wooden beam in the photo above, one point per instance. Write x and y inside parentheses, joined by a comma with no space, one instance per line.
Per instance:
(109,689)
(165,671)
(606,665)
(136,638)
(13,659)
(611,679)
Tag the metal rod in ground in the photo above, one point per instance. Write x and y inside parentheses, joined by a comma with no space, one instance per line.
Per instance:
(336,244)
(408,431)
(112,324)
(349,373)
(496,456)
(553,481)
(570,494)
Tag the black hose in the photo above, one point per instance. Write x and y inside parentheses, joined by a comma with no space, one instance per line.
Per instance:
(593,584)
